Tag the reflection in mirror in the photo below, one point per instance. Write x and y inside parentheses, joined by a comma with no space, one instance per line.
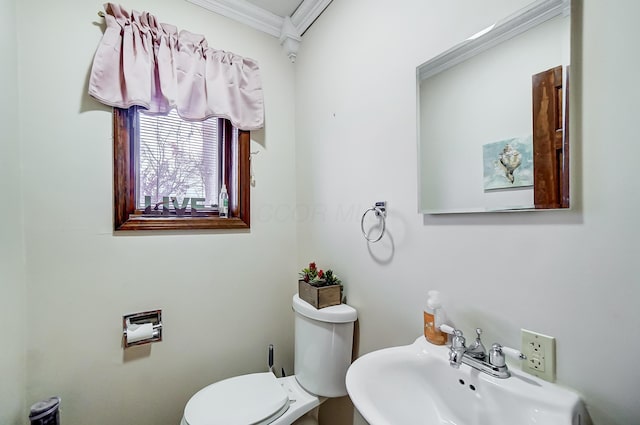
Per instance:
(492,117)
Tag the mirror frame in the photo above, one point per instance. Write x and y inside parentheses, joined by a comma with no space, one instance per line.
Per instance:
(532,15)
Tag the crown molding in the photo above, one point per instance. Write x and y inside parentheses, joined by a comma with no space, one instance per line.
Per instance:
(258,18)
(307,13)
(245,13)
(288,29)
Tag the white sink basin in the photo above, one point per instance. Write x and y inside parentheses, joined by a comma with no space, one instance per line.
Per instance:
(415,385)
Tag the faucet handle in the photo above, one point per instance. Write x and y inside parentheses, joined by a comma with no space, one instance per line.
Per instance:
(514,353)
(458,340)
(448,329)
(497,353)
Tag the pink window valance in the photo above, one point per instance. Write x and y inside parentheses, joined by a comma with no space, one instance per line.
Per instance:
(142,62)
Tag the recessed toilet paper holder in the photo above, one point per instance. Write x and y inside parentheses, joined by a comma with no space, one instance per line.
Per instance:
(141,328)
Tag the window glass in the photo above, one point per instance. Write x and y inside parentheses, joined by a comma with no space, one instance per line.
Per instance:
(178,160)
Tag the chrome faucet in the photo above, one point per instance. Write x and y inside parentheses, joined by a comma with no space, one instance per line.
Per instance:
(475,356)
(477,350)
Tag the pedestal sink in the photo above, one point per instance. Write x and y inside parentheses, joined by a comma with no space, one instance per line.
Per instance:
(415,385)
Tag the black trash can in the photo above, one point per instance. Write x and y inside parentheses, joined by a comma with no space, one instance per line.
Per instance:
(45,412)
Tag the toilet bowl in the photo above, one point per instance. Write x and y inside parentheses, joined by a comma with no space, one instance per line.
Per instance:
(323,344)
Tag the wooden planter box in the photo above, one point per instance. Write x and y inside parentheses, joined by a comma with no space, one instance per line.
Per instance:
(320,296)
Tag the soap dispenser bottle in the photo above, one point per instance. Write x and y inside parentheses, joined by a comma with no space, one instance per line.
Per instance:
(433,319)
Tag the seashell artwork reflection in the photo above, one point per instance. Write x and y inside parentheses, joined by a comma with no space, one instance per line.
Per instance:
(509,159)
(508,163)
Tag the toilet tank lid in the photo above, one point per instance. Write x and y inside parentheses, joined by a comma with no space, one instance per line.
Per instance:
(335,314)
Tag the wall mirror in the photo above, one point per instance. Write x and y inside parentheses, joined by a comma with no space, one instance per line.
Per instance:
(493,117)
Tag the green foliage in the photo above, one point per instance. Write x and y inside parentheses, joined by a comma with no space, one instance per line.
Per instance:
(318,277)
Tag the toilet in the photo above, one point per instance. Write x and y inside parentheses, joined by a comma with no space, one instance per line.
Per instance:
(323,344)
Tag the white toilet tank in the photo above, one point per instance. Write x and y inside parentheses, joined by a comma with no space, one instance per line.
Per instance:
(323,344)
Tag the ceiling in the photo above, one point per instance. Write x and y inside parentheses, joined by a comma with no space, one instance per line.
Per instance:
(285,19)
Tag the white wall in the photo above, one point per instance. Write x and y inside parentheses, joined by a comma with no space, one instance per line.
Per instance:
(12,267)
(574,276)
(225,295)
(354,144)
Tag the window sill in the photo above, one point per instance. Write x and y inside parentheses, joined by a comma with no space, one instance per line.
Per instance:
(181,223)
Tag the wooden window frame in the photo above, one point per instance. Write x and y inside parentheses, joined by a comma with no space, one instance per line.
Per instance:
(237,175)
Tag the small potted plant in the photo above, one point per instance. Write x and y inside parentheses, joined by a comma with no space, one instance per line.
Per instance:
(319,288)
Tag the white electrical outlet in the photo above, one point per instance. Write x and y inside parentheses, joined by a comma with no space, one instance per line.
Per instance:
(541,355)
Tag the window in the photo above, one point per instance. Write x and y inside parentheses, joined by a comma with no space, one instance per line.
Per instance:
(168,172)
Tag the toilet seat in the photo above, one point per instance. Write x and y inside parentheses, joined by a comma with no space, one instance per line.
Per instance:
(256,398)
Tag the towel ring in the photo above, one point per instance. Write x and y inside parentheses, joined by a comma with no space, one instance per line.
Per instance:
(380,210)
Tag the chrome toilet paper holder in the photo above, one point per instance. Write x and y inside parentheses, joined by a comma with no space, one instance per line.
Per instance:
(154,317)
